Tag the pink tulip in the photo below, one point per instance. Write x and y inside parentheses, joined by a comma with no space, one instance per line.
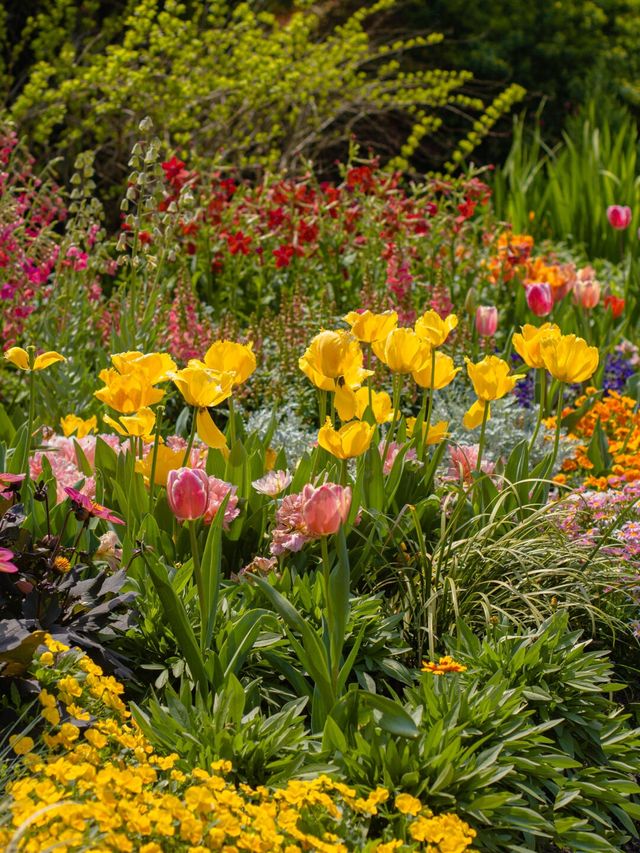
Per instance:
(587,293)
(325,508)
(486,320)
(539,298)
(619,216)
(187,493)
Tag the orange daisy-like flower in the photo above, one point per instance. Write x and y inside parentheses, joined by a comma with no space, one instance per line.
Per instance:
(445,664)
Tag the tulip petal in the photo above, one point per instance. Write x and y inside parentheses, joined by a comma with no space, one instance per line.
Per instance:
(18,356)
(47,359)
(208,431)
(474,415)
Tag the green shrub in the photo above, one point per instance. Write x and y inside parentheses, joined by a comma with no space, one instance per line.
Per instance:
(256,90)
(527,742)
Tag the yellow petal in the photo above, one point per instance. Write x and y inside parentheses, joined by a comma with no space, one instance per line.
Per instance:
(208,431)
(474,415)
(112,422)
(346,402)
(47,359)
(18,356)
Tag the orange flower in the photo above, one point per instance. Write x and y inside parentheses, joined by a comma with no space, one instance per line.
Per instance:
(445,664)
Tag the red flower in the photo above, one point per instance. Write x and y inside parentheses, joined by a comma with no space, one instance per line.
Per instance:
(175,173)
(85,508)
(284,254)
(238,243)
(615,305)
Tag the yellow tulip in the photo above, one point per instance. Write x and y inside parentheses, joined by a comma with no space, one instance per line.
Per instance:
(167,460)
(474,415)
(139,425)
(437,432)
(353,404)
(352,439)
(444,372)
(527,344)
(19,357)
(231,357)
(333,355)
(433,329)
(154,366)
(202,387)
(127,393)
(569,358)
(490,378)
(403,351)
(72,423)
(369,327)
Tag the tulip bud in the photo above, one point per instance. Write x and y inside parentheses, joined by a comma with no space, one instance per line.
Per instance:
(587,293)
(187,493)
(470,301)
(326,508)
(619,216)
(539,298)
(486,320)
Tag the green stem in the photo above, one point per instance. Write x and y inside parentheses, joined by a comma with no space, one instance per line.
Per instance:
(197,571)
(556,443)
(232,423)
(397,387)
(322,406)
(192,435)
(431,392)
(483,429)
(24,462)
(326,574)
(154,458)
(541,407)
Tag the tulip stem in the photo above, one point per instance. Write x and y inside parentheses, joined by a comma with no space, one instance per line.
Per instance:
(556,443)
(326,573)
(431,392)
(397,388)
(541,408)
(24,462)
(198,574)
(483,429)
(192,435)
(232,423)
(154,458)
(322,406)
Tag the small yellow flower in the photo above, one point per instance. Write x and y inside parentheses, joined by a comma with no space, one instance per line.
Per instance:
(61,565)
(368,327)
(406,804)
(444,665)
(21,745)
(352,439)
(433,329)
(73,424)
(21,358)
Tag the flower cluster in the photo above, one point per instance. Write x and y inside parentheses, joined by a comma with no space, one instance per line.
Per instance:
(616,415)
(93,781)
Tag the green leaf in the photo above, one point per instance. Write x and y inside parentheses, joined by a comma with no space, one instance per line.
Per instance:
(393,717)
(177,618)
(598,451)
(211,571)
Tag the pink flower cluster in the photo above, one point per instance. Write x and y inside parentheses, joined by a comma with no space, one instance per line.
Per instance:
(315,511)
(60,453)
(29,211)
